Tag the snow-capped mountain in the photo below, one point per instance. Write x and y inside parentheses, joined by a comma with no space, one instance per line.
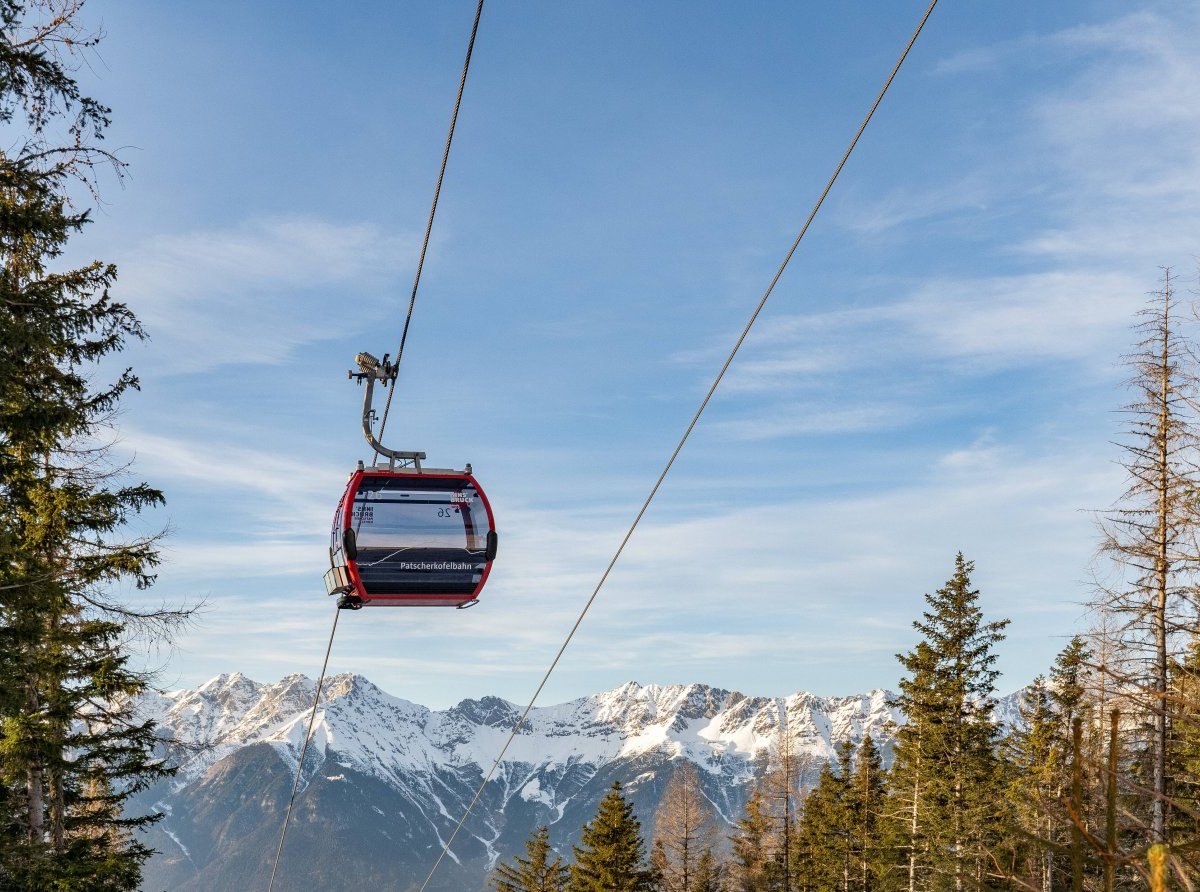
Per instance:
(385,781)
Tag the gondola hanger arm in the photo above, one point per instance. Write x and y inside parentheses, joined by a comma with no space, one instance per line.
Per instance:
(371,370)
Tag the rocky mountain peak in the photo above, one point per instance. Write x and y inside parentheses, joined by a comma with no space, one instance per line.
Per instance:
(491,711)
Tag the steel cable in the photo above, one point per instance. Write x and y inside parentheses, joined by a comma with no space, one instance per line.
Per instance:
(437,191)
(304,750)
(687,433)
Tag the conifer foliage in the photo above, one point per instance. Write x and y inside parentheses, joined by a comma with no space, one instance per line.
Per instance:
(536,872)
(947,776)
(70,752)
(822,855)
(611,854)
(753,843)
(1040,756)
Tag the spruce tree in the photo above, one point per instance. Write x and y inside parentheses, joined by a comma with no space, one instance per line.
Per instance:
(1040,775)
(753,849)
(1040,752)
(611,856)
(1183,766)
(822,860)
(710,873)
(949,777)
(536,872)
(71,753)
(909,810)
(867,794)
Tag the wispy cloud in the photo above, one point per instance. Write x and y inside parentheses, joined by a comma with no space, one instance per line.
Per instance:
(1114,145)
(990,58)
(202,563)
(229,466)
(964,197)
(806,419)
(951,326)
(257,292)
(699,588)
(1111,157)
(253,514)
(1019,320)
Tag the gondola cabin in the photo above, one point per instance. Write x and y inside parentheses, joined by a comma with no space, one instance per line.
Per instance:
(406,537)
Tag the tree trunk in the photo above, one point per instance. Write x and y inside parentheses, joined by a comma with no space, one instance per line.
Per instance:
(58,810)
(35,781)
(1162,582)
(912,838)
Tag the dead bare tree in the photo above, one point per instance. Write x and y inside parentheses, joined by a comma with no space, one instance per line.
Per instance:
(1150,535)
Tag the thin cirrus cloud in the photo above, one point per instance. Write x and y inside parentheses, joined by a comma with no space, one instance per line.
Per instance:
(273,509)
(808,420)
(224,467)
(777,562)
(254,293)
(1014,320)
(197,562)
(1119,212)
(789,559)
(1119,202)
(961,198)
(963,325)
(980,494)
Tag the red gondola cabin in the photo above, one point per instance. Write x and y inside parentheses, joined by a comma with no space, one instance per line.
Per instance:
(405,537)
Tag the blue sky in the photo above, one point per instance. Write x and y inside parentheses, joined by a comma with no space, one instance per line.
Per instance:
(937,371)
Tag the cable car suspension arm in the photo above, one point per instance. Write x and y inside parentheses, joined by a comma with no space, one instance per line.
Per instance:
(371,370)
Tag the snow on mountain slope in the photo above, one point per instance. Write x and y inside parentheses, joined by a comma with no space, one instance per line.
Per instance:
(387,781)
(386,737)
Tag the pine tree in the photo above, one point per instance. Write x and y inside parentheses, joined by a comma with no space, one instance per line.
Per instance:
(536,872)
(867,794)
(710,873)
(750,868)
(948,774)
(909,809)
(1183,766)
(71,754)
(823,851)
(1040,775)
(684,830)
(611,854)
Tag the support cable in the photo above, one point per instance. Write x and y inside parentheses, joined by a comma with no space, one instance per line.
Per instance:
(687,433)
(462,83)
(304,750)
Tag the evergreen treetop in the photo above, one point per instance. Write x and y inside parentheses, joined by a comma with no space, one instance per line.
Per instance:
(611,855)
(947,779)
(536,872)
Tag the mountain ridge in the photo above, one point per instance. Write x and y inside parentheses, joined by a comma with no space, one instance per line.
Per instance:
(358,719)
(385,781)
